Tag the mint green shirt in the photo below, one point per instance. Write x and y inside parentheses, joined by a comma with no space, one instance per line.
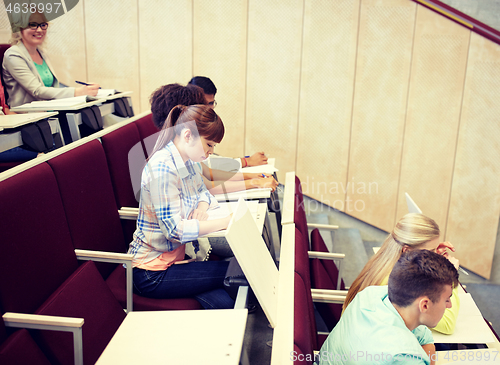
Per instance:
(45,74)
(371,331)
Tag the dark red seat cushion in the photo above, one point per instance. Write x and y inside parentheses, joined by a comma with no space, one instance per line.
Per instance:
(83,295)
(116,282)
(88,199)
(35,242)
(302,335)
(21,349)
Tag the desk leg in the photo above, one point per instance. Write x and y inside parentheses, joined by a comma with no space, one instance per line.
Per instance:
(74,120)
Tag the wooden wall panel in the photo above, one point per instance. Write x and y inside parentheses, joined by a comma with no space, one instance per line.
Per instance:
(68,54)
(327,82)
(434,105)
(273,73)
(111,31)
(475,194)
(380,97)
(165,45)
(219,52)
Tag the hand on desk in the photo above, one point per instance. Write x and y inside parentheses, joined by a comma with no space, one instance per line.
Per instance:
(264,182)
(258,158)
(90,89)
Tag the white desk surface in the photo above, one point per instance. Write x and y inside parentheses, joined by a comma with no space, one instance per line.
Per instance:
(178,337)
(258,211)
(470,326)
(119,95)
(260,193)
(63,108)
(17,120)
(478,356)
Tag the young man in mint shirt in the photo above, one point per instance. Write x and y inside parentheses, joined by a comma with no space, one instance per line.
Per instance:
(388,324)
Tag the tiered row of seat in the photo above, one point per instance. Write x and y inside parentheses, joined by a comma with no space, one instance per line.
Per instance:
(57,210)
(316,277)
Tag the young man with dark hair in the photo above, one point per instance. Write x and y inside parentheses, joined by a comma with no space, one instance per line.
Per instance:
(209,90)
(388,324)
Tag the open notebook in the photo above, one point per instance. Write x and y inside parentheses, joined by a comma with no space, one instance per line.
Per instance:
(59,103)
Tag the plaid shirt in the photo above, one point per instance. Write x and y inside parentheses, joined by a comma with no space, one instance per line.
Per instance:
(170,191)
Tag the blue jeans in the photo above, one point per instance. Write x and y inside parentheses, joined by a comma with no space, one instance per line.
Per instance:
(17,154)
(202,280)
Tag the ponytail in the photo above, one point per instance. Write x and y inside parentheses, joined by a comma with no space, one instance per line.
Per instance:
(201,120)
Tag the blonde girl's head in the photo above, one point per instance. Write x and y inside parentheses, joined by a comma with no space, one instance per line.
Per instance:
(412,232)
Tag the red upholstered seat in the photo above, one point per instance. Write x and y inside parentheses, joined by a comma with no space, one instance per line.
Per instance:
(37,253)
(20,349)
(83,295)
(301,320)
(302,268)
(324,275)
(148,132)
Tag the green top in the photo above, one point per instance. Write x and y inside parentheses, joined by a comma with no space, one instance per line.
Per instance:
(45,74)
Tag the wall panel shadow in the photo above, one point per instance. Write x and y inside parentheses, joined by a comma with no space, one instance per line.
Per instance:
(220,52)
(328,64)
(165,44)
(112,45)
(475,194)
(434,104)
(380,97)
(273,73)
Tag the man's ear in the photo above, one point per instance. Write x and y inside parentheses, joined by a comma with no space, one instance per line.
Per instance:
(423,304)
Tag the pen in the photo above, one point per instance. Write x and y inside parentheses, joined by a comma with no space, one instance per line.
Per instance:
(83,83)
(462,270)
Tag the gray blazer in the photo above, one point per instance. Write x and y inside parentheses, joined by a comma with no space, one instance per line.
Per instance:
(23,82)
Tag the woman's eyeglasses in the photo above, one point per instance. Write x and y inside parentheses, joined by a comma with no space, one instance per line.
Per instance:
(35,26)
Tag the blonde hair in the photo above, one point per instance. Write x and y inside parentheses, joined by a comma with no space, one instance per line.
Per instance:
(413,230)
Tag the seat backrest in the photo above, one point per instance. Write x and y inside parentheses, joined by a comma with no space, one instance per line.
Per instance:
(324,275)
(83,295)
(4,95)
(300,219)
(87,195)
(126,159)
(302,268)
(20,348)
(36,241)
(301,320)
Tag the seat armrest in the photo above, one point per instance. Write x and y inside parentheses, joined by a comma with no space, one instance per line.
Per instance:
(103,256)
(325,255)
(23,320)
(112,257)
(329,292)
(324,227)
(51,323)
(328,298)
(128,213)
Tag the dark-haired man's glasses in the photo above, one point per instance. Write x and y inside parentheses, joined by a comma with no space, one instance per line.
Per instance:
(35,26)
(213,103)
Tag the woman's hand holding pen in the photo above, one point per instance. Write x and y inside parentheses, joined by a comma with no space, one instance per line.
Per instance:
(89,89)
(258,158)
(264,182)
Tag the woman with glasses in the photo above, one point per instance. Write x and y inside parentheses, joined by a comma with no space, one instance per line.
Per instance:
(412,232)
(27,72)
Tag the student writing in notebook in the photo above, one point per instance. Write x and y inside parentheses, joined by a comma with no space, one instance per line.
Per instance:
(412,232)
(163,100)
(209,91)
(27,71)
(173,212)
(389,324)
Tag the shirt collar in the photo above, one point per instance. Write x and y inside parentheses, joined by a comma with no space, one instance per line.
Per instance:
(184,169)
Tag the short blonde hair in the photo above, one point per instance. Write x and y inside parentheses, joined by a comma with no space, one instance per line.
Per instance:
(413,230)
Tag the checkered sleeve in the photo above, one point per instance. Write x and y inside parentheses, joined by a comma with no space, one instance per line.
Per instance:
(167,196)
